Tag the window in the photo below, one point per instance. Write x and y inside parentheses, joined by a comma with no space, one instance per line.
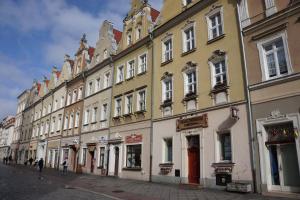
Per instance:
(130,69)
(47,127)
(104,112)
(167,50)
(120,74)
(105,54)
(44,111)
(244,15)
(189,40)
(76,120)
(66,123)
(74,96)
(94,115)
(71,121)
(168,146)
(101,157)
(215,26)
(83,161)
(53,124)
(133,159)
(167,89)
(80,93)
(59,123)
(49,108)
(98,84)
(89,89)
(86,116)
(220,76)
(191,83)
(55,104)
(118,107)
(128,103)
(62,101)
(270,7)
(42,129)
(275,59)
(107,80)
(141,100)
(129,38)
(69,99)
(142,63)
(138,33)
(225,147)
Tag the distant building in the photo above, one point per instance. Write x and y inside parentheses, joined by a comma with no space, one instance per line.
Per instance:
(6,136)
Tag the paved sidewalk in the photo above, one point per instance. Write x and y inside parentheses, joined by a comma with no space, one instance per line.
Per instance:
(123,189)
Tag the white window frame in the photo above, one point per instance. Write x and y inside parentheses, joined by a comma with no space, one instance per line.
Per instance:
(86,116)
(186,84)
(165,148)
(66,124)
(49,108)
(189,26)
(74,96)
(52,124)
(244,13)
(120,74)
(142,66)
(213,71)
(76,124)
(164,89)
(58,127)
(129,69)
(80,93)
(71,121)
(94,115)
(89,89)
(185,3)
(55,104)
(62,102)
(107,80)
(270,7)
(262,58)
(98,84)
(129,38)
(69,98)
(168,52)
(138,32)
(209,23)
(104,112)
(138,108)
(116,113)
(126,109)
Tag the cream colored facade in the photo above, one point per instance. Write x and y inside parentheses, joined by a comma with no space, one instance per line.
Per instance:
(197,90)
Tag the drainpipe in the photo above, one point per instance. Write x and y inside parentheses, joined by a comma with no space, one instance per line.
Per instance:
(152,107)
(248,99)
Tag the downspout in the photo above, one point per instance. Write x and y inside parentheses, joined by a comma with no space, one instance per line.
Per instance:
(248,99)
(152,107)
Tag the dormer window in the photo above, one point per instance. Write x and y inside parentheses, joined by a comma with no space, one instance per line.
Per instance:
(138,33)
(105,54)
(129,38)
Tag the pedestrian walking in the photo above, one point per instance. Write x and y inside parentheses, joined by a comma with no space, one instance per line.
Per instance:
(10,159)
(30,161)
(40,165)
(6,160)
(65,167)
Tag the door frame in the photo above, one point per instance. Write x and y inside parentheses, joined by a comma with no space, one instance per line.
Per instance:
(264,157)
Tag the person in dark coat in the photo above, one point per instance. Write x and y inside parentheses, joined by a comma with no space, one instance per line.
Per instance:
(30,161)
(41,164)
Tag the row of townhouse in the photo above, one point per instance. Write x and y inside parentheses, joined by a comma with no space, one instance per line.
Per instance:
(203,92)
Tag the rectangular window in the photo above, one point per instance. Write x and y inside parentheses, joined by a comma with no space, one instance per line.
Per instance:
(86,116)
(55,105)
(104,112)
(215,26)
(66,123)
(168,51)
(168,148)
(107,80)
(98,84)
(83,161)
(74,96)
(141,100)
(59,123)
(62,101)
(94,115)
(71,121)
(167,90)
(191,83)
(189,39)
(225,147)
(128,103)
(53,124)
(275,58)
(69,98)
(142,63)
(49,108)
(118,107)
(80,93)
(120,74)
(133,158)
(220,73)
(129,38)
(90,89)
(76,124)
(130,69)
(101,157)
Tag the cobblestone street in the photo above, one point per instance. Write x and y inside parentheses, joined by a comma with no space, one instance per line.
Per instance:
(20,182)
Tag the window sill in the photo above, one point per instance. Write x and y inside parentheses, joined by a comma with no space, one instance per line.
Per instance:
(140,112)
(166,103)
(119,83)
(93,122)
(116,117)
(166,62)
(215,39)
(127,115)
(103,120)
(132,169)
(100,167)
(141,73)
(85,124)
(188,52)
(219,88)
(127,79)
(190,96)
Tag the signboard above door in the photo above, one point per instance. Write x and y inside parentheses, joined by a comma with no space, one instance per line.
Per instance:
(192,122)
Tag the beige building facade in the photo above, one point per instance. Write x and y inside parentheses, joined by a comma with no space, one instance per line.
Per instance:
(271,45)
(199,104)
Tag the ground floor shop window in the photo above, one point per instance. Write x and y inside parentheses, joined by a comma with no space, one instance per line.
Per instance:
(134,156)
(101,157)
(225,147)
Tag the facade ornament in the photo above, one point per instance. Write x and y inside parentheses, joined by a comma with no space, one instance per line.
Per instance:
(189,66)
(217,54)
(166,75)
(275,114)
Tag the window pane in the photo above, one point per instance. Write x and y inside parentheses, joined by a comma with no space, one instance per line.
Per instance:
(282,61)
(271,65)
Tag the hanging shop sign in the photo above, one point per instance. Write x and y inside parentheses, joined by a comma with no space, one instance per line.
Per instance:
(193,122)
(133,138)
(281,134)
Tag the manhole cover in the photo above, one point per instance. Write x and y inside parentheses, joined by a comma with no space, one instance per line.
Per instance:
(118,191)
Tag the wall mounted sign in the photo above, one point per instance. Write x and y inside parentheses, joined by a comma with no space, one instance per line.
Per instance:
(134,138)
(193,122)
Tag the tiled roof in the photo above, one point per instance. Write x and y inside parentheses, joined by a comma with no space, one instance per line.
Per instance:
(117,35)
(154,14)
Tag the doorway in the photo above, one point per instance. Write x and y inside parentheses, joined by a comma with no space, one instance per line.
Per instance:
(193,159)
(92,153)
(116,161)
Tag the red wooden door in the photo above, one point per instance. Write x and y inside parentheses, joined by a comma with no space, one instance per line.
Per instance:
(194,165)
